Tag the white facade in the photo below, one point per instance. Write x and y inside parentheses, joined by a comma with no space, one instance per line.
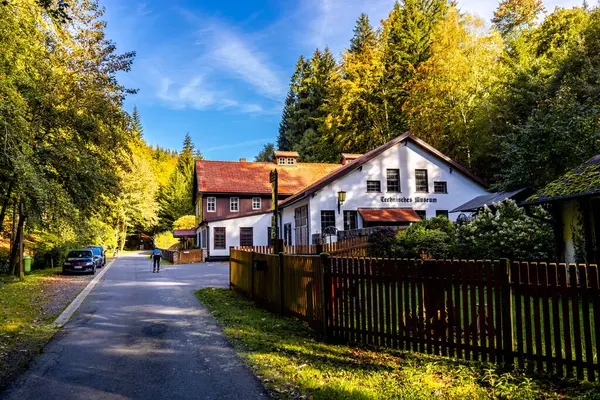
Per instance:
(404,157)
(259,223)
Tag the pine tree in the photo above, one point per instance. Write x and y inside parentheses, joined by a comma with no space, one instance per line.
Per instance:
(406,43)
(175,199)
(282,139)
(267,154)
(355,119)
(303,113)
(136,124)
(364,36)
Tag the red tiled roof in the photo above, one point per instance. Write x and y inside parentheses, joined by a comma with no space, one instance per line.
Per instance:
(287,154)
(253,177)
(389,215)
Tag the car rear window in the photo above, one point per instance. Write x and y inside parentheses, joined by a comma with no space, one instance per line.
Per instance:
(80,254)
(95,251)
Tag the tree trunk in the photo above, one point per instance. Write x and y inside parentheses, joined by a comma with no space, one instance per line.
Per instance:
(13,227)
(124,236)
(5,204)
(17,250)
(21,242)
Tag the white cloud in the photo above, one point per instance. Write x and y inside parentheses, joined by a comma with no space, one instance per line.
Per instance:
(240,144)
(197,94)
(231,52)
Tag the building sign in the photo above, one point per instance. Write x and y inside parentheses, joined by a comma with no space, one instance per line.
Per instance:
(408,199)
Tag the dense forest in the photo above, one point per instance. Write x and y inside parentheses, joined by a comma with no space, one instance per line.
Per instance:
(74,167)
(516,100)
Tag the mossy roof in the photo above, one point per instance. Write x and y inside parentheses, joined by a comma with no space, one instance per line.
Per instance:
(582,181)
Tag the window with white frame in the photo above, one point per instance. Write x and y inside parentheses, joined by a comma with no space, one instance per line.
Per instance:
(393,180)
(440,187)
(421,181)
(234,204)
(281,161)
(247,237)
(374,186)
(291,161)
(211,204)
(256,203)
(220,241)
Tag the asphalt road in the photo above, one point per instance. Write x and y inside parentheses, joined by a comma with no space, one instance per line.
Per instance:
(144,336)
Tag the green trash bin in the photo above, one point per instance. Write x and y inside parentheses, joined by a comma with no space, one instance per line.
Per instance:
(27,263)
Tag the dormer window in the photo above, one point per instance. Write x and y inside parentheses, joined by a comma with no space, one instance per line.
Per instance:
(347,158)
(287,158)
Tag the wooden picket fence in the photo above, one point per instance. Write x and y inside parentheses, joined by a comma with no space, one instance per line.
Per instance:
(351,247)
(535,316)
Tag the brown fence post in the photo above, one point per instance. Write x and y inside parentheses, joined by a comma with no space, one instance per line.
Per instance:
(230,250)
(252,276)
(325,293)
(281,292)
(507,313)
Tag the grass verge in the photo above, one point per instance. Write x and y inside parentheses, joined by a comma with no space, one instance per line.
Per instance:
(292,364)
(24,327)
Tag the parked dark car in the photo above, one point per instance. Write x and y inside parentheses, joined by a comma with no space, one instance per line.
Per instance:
(102,252)
(98,258)
(80,261)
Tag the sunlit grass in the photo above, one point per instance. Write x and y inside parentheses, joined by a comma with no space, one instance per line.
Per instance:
(23,325)
(291,363)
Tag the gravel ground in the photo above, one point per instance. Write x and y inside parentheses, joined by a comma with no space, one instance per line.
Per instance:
(60,291)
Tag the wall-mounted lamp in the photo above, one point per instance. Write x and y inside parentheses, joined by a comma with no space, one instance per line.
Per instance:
(341,199)
(451,170)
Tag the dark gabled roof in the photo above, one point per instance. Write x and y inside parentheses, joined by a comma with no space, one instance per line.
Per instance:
(487,200)
(582,181)
(184,233)
(371,155)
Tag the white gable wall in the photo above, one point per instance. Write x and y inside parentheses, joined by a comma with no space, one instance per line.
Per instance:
(287,216)
(405,158)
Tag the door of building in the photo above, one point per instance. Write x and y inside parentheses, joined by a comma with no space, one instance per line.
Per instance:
(301,225)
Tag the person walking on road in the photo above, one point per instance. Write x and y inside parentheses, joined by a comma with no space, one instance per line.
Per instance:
(156,255)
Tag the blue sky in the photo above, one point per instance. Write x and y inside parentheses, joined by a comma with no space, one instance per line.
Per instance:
(220,69)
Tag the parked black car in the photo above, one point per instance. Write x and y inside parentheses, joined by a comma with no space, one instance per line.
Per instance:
(102,252)
(80,261)
(98,258)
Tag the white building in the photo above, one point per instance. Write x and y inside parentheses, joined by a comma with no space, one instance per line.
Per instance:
(395,184)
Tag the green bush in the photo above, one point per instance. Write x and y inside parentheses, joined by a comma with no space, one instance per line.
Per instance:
(164,240)
(508,232)
(433,242)
(185,222)
(384,243)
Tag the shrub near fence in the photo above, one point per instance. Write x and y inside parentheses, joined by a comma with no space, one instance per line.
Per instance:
(537,316)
